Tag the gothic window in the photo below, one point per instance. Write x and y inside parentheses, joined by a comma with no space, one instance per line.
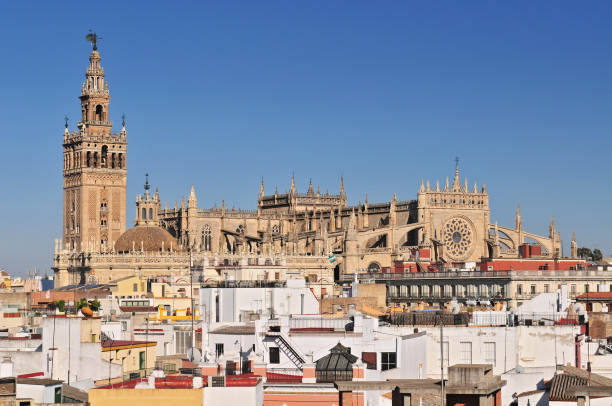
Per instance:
(240,229)
(374,267)
(144,213)
(276,229)
(88,159)
(150,213)
(113,160)
(120,161)
(95,159)
(206,238)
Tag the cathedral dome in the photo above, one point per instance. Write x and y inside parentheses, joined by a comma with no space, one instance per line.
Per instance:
(148,239)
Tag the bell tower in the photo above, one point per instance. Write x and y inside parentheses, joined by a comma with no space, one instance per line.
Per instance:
(95,174)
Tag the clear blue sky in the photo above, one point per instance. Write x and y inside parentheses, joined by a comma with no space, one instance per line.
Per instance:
(383,93)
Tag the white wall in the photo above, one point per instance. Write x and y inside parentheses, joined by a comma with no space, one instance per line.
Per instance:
(38,393)
(83,359)
(243,396)
(233,301)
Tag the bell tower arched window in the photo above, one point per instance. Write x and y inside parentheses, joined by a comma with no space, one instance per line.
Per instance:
(104,157)
(144,213)
(99,113)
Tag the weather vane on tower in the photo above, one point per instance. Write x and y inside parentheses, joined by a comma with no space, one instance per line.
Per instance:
(93,38)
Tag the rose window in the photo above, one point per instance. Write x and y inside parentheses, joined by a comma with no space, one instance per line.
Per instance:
(458,237)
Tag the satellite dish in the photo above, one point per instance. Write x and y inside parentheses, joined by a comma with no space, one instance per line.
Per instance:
(194,355)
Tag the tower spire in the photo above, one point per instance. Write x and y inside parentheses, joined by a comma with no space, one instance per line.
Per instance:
(341,185)
(293,191)
(518,222)
(456,180)
(261,188)
(551,227)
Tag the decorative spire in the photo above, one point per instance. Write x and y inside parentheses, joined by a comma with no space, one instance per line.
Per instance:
(475,188)
(146,186)
(428,188)
(366,199)
(422,187)
(456,180)
(437,185)
(318,191)
(518,222)
(551,227)
(192,200)
(261,188)
(446,186)
(310,190)
(293,190)
(465,189)
(341,186)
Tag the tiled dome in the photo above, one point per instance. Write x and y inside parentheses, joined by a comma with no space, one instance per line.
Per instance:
(147,238)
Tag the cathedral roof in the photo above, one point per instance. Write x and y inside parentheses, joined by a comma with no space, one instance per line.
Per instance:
(148,239)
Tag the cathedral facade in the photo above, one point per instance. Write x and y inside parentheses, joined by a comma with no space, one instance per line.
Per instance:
(313,234)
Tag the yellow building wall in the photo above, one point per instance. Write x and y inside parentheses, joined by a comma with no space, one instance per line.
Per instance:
(129,358)
(125,288)
(146,397)
(90,330)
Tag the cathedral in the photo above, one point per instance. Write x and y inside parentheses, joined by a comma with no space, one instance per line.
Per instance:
(315,235)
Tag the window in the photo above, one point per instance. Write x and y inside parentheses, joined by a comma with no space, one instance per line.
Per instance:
(144,213)
(519,289)
(274,355)
(219,349)
(388,360)
(206,237)
(546,288)
(533,289)
(586,288)
(489,353)
(150,213)
(58,394)
(465,353)
(369,358)
(135,287)
(182,341)
(142,360)
(573,289)
(445,351)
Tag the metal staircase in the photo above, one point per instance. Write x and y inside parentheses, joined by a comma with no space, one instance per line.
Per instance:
(287,348)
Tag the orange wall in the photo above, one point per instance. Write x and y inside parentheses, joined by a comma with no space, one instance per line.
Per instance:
(312,398)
